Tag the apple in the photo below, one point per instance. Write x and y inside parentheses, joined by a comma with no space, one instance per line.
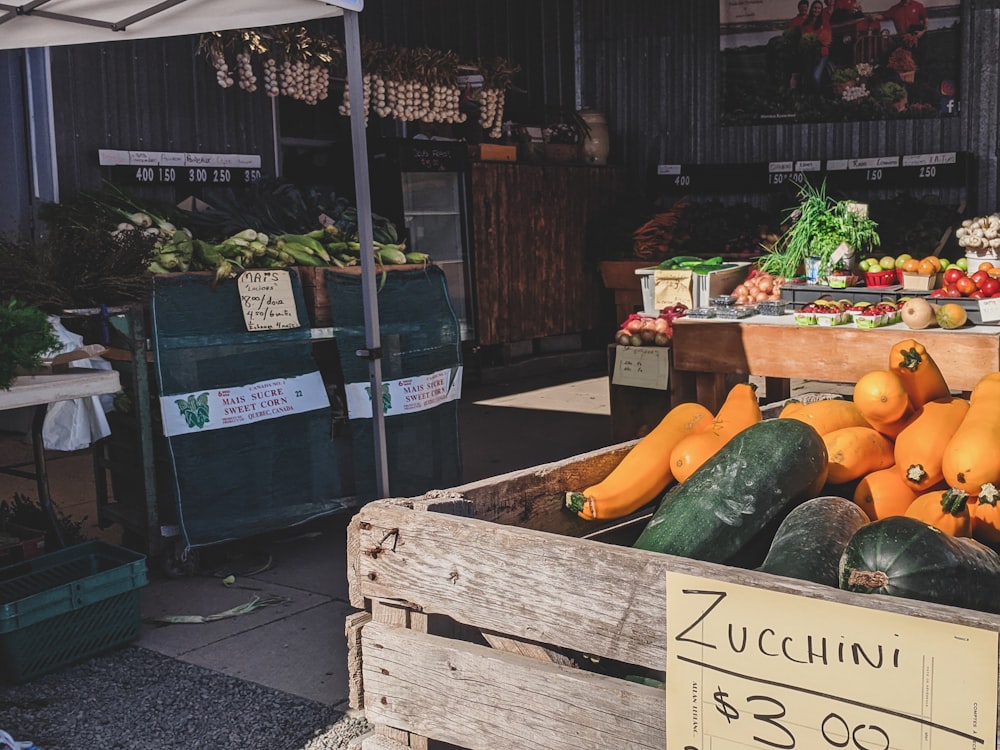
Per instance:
(887,262)
(963,263)
(901,259)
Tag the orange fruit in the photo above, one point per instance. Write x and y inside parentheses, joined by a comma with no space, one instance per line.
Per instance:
(911,265)
(926,267)
(985,266)
(935,261)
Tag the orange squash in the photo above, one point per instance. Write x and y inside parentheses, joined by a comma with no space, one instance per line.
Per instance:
(920,445)
(739,411)
(918,371)
(827,415)
(790,408)
(856,451)
(645,470)
(882,399)
(970,458)
(883,493)
(946,510)
(986,515)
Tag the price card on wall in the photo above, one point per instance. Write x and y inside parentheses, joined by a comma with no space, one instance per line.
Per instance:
(752,668)
(267,300)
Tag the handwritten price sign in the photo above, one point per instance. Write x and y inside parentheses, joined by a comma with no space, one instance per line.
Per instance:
(751,668)
(267,300)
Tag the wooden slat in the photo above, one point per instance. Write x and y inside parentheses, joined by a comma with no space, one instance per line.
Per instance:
(595,598)
(477,698)
(529,225)
(355,685)
(839,354)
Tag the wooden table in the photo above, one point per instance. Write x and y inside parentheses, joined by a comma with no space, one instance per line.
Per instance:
(707,351)
(39,391)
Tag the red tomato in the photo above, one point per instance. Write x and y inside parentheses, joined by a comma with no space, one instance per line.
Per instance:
(978,294)
(952,291)
(965,286)
(939,293)
(953,274)
(990,287)
(978,277)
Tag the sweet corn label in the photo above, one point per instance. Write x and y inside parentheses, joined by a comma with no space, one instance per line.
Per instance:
(753,668)
(216,409)
(406,395)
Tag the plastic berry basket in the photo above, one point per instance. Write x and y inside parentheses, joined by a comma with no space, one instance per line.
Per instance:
(882,278)
(66,606)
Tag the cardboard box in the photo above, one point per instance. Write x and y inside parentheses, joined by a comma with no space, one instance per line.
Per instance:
(662,289)
(921,281)
(494,152)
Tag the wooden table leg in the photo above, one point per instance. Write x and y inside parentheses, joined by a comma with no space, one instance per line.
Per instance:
(777,389)
(712,389)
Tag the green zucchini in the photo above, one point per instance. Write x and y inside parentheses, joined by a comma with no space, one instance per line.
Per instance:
(811,539)
(742,491)
(901,556)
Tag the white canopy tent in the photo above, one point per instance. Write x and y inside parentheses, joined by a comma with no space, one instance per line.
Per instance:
(49,23)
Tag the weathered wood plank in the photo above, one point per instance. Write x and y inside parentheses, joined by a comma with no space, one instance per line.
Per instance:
(355,685)
(478,698)
(571,593)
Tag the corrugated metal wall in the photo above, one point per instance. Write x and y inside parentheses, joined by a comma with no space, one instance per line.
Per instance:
(156,95)
(653,67)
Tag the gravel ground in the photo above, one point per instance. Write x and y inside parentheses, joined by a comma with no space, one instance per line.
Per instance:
(135,699)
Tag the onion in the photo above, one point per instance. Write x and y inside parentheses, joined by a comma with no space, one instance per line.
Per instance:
(743,299)
(635,340)
(741,291)
(760,296)
(623,337)
(661,339)
(634,325)
(661,325)
(647,335)
(765,284)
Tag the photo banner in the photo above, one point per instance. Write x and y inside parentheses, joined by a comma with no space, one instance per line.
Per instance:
(838,61)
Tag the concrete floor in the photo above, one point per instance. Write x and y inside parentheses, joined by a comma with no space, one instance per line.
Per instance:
(296,644)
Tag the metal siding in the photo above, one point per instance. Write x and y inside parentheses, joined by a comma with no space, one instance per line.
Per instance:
(653,67)
(156,95)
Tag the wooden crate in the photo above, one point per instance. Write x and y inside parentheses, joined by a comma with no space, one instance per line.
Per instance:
(471,591)
(315,293)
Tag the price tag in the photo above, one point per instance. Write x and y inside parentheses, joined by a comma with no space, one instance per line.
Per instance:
(989,309)
(642,367)
(752,668)
(267,300)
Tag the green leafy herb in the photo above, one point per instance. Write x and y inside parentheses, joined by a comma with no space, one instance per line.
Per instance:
(25,335)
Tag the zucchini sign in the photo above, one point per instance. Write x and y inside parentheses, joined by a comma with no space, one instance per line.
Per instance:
(752,668)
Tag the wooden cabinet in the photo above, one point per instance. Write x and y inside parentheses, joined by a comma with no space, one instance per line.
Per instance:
(532,277)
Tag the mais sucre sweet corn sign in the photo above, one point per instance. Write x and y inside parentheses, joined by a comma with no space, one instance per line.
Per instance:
(754,668)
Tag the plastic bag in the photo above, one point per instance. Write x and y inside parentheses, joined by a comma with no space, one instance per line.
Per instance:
(9,743)
(73,425)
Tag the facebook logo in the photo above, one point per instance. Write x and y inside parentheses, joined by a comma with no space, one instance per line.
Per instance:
(948,105)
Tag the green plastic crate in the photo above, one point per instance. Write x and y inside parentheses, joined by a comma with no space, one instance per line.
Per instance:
(66,606)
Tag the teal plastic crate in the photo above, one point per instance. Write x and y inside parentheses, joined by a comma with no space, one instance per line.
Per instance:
(66,606)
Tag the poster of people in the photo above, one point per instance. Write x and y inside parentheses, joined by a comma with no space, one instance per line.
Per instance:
(834,60)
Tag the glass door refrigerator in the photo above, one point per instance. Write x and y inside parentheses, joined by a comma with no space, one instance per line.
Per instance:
(421,184)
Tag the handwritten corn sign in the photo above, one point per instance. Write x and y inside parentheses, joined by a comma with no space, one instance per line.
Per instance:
(267,300)
(752,668)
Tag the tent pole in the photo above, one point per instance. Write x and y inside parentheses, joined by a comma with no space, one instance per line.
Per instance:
(359,143)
